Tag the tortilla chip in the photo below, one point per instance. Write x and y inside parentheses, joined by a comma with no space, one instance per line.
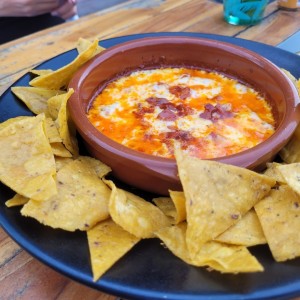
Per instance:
(221,257)
(108,242)
(272,171)
(136,215)
(60,162)
(66,127)
(279,215)
(54,104)
(227,258)
(60,78)
(83,44)
(291,152)
(52,131)
(217,196)
(81,201)
(59,149)
(41,72)
(179,200)
(166,205)
(290,173)
(247,232)
(27,163)
(35,98)
(16,200)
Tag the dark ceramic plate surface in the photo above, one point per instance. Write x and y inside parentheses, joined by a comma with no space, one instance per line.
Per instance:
(148,271)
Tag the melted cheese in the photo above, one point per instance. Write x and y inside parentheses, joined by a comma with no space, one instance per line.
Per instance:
(209,114)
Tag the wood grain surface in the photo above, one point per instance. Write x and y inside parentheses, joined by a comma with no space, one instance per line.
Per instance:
(21,276)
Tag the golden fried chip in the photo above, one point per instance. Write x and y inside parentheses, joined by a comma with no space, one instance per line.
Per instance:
(166,205)
(81,201)
(290,153)
(60,162)
(83,44)
(221,257)
(52,131)
(290,173)
(272,171)
(35,98)
(16,200)
(136,215)
(108,242)
(279,215)
(66,127)
(227,258)
(59,149)
(60,78)
(217,196)
(173,206)
(174,238)
(54,104)
(178,199)
(246,232)
(100,168)
(26,160)
(41,72)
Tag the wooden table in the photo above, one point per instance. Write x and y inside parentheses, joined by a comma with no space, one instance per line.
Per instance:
(21,276)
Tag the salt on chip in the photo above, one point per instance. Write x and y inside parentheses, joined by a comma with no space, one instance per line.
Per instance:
(35,98)
(279,215)
(16,200)
(136,215)
(60,78)
(65,126)
(217,196)
(108,242)
(246,232)
(27,163)
(81,201)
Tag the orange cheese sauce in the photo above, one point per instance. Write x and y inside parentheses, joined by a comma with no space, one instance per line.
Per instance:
(208,114)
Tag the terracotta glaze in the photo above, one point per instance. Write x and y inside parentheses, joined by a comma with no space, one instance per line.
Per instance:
(156,174)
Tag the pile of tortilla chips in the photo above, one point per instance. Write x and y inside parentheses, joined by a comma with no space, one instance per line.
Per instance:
(221,212)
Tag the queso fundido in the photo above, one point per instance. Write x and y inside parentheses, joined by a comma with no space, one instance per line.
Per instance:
(210,115)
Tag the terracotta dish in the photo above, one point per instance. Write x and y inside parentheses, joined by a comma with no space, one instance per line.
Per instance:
(155,174)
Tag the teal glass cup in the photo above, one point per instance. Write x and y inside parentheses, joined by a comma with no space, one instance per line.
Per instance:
(244,12)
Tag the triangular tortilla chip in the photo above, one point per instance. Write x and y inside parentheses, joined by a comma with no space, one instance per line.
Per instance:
(217,196)
(136,215)
(108,242)
(246,232)
(35,98)
(279,215)
(81,201)
(60,78)
(26,160)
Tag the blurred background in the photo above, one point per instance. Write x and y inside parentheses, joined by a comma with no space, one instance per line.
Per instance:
(86,7)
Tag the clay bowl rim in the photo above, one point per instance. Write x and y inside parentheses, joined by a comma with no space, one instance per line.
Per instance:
(274,143)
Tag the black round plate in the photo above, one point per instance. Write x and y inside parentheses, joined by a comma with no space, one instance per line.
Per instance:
(148,271)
